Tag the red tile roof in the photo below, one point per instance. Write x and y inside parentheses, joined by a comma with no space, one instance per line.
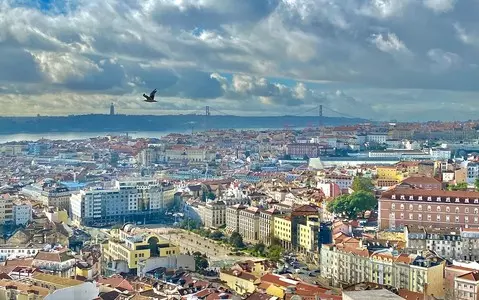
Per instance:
(472,276)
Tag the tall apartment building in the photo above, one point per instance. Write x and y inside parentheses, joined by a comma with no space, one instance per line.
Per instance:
(266,225)
(349,262)
(299,230)
(441,209)
(129,200)
(233,217)
(56,196)
(249,224)
(6,209)
(213,213)
(22,213)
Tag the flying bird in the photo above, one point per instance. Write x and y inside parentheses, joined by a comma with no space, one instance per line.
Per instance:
(150,98)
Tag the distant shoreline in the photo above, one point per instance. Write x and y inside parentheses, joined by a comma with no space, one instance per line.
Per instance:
(171,123)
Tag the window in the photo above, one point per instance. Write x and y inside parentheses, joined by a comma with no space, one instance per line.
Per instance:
(429,208)
(438,218)
(419,198)
(402,197)
(438,208)
(411,216)
(402,206)
(457,210)
(476,220)
(411,197)
(466,200)
(429,217)
(448,218)
(419,207)
(456,219)
(466,210)
(448,209)
(438,199)
(429,198)
(476,211)
(393,196)
(466,219)
(419,217)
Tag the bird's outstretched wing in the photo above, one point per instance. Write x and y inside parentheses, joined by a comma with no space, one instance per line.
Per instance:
(152,95)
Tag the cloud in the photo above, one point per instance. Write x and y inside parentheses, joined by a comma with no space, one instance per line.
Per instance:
(440,6)
(246,57)
(389,43)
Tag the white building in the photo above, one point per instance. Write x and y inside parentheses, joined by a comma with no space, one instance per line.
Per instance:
(379,138)
(440,153)
(213,214)
(22,213)
(19,251)
(472,172)
(129,200)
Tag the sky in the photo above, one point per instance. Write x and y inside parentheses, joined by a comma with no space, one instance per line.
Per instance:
(404,60)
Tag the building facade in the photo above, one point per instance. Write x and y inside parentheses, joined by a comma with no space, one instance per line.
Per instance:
(350,263)
(249,224)
(212,214)
(6,209)
(132,200)
(233,217)
(132,246)
(441,209)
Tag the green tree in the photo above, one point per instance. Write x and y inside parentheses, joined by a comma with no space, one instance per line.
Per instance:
(461,186)
(201,262)
(476,184)
(351,205)
(362,201)
(274,252)
(259,249)
(236,240)
(362,184)
(211,196)
(216,235)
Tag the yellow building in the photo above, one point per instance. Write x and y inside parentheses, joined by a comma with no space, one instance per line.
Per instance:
(308,234)
(282,230)
(241,282)
(132,246)
(389,173)
(52,282)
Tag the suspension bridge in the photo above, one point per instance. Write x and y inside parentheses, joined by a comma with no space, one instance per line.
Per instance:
(316,116)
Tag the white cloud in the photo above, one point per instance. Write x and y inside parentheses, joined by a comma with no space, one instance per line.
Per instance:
(245,55)
(61,67)
(389,43)
(440,6)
